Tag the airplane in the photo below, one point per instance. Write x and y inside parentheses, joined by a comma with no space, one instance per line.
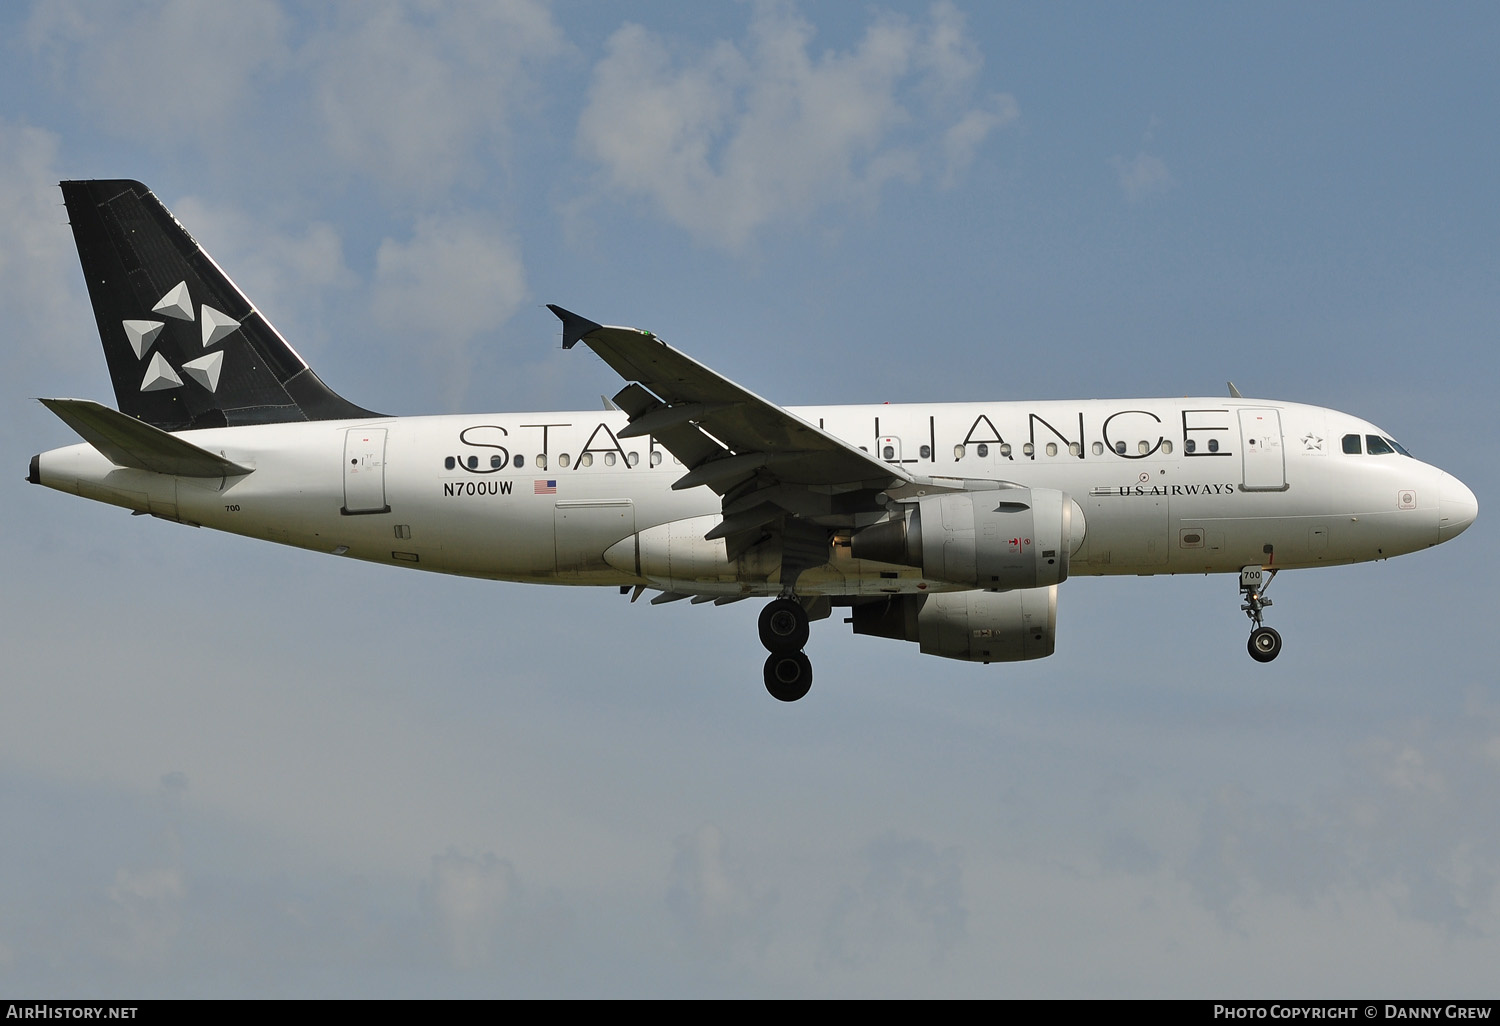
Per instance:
(950,525)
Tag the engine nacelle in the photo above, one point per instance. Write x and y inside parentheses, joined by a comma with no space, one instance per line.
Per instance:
(979,626)
(996,540)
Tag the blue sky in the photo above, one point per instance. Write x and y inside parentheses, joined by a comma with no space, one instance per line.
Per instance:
(232,769)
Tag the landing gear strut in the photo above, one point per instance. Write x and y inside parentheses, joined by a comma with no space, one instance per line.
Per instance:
(784,630)
(1265,642)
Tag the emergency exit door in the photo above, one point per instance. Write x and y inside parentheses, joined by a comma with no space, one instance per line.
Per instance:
(1264,458)
(364,471)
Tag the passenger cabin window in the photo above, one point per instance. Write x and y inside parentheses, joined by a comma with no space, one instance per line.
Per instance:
(1051,448)
(541,461)
(1166,447)
(926,452)
(982,449)
(496,463)
(1099,448)
(958,452)
(609,459)
(1190,446)
(586,460)
(449,463)
(632,458)
(888,452)
(1120,448)
(1377,446)
(1005,449)
(1351,445)
(520,461)
(563,459)
(473,462)
(1213,445)
(655,458)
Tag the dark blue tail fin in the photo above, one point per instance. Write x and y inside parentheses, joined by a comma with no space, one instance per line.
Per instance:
(185,348)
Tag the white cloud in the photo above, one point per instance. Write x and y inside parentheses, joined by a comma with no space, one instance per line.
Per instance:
(910,904)
(39,282)
(737,136)
(1409,772)
(469,900)
(712,896)
(288,275)
(949,51)
(965,135)
(172,68)
(451,282)
(1409,826)
(1142,175)
(147,907)
(404,92)
(1492,749)
(1145,174)
(407,91)
(482,917)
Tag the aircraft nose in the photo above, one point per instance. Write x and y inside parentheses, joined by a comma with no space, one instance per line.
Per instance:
(1457,507)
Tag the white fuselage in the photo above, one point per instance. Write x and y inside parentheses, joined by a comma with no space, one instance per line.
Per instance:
(1166,486)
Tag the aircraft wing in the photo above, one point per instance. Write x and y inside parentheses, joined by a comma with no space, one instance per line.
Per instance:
(774,469)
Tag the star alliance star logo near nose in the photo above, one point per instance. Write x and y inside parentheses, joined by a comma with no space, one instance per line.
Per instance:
(178,305)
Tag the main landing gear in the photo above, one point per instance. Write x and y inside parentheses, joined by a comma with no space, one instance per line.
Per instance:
(1265,643)
(784,631)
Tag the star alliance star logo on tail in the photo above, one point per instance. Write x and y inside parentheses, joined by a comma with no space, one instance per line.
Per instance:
(178,305)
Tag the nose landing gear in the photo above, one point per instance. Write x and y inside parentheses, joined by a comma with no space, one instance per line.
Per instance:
(784,630)
(1265,642)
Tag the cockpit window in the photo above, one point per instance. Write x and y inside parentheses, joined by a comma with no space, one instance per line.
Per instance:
(1352,446)
(1398,447)
(1377,446)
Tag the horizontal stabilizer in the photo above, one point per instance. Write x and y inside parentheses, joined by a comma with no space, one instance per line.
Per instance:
(127,442)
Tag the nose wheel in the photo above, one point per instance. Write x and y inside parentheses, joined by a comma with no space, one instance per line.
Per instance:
(784,631)
(1265,642)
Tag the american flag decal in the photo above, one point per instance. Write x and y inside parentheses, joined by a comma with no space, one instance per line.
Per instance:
(545,488)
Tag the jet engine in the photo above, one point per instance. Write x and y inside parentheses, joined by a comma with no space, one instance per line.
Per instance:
(997,540)
(980,626)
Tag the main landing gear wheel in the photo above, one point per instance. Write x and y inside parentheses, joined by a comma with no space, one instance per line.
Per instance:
(788,675)
(1265,644)
(783,626)
(784,630)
